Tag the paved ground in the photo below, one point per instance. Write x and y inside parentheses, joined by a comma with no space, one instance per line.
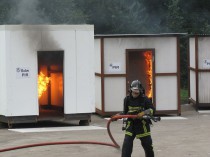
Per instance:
(188,137)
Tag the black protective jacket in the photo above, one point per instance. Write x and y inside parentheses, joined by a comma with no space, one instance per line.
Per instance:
(138,127)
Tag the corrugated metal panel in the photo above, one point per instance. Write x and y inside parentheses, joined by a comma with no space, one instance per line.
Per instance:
(114,53)
(114,93)
(165,55)
(166,93)
(203,73)
(192,85)
(204,87)
(203,51)
(85,70)
(192,52)
(98,93)
(97,49)
(3,89)
(69,71)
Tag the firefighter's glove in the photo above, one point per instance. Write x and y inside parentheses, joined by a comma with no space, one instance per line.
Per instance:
(148,112)
(140,115)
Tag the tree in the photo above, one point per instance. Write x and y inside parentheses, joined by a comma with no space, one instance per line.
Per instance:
(175,19)
(40,12)
(114,16)
(4,10)
(62,12)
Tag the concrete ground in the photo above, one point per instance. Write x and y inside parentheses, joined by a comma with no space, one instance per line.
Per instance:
(189,137)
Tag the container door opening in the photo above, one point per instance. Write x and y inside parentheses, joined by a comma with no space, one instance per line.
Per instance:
(140,67)
(50,84)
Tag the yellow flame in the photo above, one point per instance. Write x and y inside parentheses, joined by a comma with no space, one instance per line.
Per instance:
(43,82)
(148,59)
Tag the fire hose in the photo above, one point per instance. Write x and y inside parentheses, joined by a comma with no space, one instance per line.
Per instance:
(114,144)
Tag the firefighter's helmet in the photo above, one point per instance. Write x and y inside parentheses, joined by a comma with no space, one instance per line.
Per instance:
(136,86)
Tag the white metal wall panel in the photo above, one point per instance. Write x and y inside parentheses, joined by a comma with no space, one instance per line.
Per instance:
(192,52)
(114,53)
(3,89)
(204,87)
(98,100)
(203,51)
(203,77)
(114,93)
(166,93)
(97,49)
(165,54)
(22,95)
(192,85)
(85,72)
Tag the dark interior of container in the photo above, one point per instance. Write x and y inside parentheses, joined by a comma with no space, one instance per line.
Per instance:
(50,83)
(140,68)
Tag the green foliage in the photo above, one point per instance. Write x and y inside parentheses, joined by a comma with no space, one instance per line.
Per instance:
(114,16)
(62,12)
(40,12)
(175,19)
(184,96)
(4,10)
(190,17)
(183,62)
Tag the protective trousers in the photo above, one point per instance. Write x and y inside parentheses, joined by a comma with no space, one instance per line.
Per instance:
(146,143)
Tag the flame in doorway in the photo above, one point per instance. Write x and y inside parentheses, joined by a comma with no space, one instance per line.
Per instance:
(148,59)
(43,82)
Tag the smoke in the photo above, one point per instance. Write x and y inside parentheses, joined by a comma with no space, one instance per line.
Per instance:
(27,12)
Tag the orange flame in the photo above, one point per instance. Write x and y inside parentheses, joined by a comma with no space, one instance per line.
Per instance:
(148,59)
(43,82)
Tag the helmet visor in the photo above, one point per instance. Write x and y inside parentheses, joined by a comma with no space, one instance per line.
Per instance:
(135,89)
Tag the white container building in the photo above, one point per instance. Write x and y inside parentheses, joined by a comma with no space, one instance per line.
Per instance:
(199,71)
(153,59)
(62,56)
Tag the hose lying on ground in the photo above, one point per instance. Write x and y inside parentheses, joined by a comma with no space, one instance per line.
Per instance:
(114,144)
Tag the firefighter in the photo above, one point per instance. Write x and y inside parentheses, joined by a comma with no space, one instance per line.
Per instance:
(137,103)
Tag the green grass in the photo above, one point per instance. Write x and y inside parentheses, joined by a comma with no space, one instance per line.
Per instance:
(184,96)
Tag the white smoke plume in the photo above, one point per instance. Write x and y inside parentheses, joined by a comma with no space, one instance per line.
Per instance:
(27,12)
